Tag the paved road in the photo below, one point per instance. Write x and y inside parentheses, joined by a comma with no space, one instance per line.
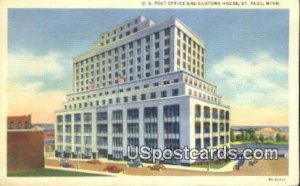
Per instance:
(262,168)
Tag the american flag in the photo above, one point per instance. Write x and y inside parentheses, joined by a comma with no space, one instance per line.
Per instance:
(91,86)
(121,79)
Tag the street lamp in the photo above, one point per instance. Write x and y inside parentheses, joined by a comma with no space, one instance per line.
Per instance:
(78,158)
(208,165)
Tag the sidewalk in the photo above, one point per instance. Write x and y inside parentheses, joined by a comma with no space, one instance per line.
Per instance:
(226,168)
(83,170)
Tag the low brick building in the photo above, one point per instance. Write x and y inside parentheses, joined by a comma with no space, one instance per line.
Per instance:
(48,130)
(25,150)
(19,122)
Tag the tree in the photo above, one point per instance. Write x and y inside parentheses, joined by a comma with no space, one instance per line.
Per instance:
(255,138)
(284,138)
(232,136)
(247,136)
(244,133)
(278,137)
(261,138)
(251,134)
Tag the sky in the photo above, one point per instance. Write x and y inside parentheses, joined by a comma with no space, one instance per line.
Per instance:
(247,56)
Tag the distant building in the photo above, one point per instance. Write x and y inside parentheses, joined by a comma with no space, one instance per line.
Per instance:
(48,130)
(24,149)
(266,132)
(19,122)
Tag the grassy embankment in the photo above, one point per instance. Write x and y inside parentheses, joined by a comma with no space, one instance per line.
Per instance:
(261,143)
(48,172)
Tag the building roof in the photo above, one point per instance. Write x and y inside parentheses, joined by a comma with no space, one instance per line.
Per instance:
(46,126)
(266,131)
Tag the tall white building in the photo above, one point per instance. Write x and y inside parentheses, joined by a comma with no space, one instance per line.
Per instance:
(142,83)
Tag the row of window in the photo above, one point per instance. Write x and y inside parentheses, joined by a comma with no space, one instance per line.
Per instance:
(197,83)
(207,113)
(207,127)
(166,52)
(125,99)
(20,125)
(188,40)
(128,89)
(223,140)
(190,55)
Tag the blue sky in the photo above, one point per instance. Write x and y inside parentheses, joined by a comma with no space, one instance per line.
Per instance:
(254,40)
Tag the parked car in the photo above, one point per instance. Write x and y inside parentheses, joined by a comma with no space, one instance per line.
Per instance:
(66,165)
(95,162)
(113,169)
(64,162)
(135,164)
(157,167)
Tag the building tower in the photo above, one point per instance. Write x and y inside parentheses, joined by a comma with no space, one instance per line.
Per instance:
(142,83)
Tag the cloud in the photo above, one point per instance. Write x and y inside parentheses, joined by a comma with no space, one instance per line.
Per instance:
(30,99)
(27,85)
(256,81)
(25,64)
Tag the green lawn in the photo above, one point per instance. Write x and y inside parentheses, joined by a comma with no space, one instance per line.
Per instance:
(213,165)
(48,172)
(265,142)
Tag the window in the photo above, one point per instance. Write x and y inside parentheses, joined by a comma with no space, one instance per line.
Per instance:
(101,116)
(59,118)
(117,115)
(132,114)
(167,32)
(153,95)
(157,35)
(27,125)
(167,51)
(147,66)
(166,82)
(134,98)
(171,111)
(197,111)
(156,84)
(11,125)
(147,57)
(143,96)
(163,94)
(178,32)
(206,127)
(175,92)
(197,127)
(167,42)
(156,64)
(215,127)
(148,39)
(87,117)
(150,112)
(77,117)
(157,54)
(167,61)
